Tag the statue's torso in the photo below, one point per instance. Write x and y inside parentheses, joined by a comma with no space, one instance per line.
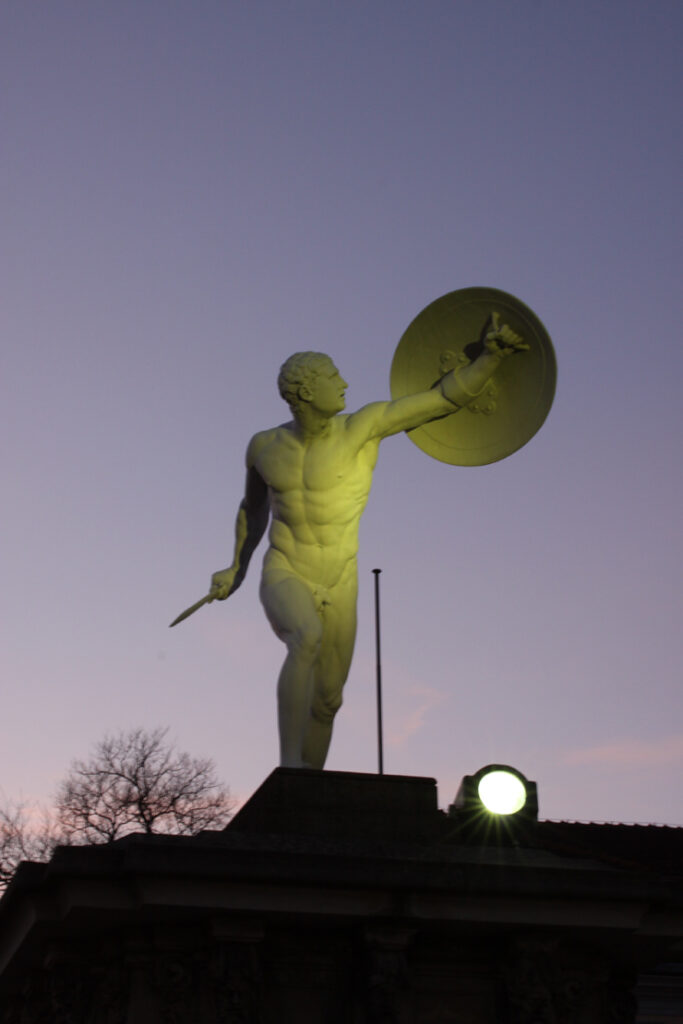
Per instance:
(318,490)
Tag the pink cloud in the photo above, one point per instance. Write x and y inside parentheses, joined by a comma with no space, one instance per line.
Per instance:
(631,752)
(410,723)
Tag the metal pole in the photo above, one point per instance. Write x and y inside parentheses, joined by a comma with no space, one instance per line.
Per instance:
(380,744)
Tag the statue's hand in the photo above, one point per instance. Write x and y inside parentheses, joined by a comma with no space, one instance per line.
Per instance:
(501,340)
(222,584)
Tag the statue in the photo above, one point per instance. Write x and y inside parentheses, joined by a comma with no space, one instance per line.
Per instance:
(311,476)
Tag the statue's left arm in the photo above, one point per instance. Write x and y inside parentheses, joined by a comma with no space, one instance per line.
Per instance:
(453,391)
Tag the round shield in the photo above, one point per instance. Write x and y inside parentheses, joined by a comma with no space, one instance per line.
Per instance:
(450,333)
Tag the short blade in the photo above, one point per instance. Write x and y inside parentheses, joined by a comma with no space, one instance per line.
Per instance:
(191,610)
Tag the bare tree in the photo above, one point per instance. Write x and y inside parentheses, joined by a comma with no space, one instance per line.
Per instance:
(23,838)
(137,782)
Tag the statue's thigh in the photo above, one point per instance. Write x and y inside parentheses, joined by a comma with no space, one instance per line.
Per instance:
(339,634)
(290,608)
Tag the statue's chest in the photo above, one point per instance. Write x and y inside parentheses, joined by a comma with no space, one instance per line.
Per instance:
(327,467)
(320,466)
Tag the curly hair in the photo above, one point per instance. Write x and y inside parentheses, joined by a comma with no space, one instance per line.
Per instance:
(301,368)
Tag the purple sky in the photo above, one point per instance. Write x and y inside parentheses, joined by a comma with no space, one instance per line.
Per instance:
(192,191)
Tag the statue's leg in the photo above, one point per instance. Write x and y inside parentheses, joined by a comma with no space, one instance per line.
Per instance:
(331,668)
(291,611)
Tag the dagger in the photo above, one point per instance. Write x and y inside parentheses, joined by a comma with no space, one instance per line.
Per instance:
(192,609)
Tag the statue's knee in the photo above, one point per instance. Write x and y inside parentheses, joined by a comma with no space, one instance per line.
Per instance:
(325,707)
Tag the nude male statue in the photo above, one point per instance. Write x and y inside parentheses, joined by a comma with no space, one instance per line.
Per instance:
(313,476)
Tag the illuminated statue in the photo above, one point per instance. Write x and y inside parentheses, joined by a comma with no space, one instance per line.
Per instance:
(313,476)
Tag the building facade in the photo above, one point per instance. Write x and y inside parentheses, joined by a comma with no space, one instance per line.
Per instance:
(341,898)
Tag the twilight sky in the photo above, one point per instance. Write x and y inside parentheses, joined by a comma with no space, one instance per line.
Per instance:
(192,191)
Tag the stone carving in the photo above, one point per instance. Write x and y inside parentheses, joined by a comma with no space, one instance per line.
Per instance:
(70,991)
(176,982)
(486,400)
(111,991)
(388,976)
(31,1003)
(549,983)
(235,979)
(452,332)
(619,1001)
(312,476)
(532,980)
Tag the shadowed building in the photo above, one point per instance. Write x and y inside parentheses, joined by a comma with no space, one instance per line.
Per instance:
(342,898)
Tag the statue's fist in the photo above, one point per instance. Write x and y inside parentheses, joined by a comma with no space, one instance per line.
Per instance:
(221,584)
(501,340)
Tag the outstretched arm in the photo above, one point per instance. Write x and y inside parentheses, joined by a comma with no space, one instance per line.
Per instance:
(453,391)
(252,519)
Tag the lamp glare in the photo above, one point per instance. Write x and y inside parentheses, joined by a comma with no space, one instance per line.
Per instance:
(502,792)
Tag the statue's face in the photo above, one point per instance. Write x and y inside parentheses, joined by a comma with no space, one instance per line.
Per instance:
(326,394)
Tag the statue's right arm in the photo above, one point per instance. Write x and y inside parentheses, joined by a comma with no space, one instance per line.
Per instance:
(252,519)
(455,390)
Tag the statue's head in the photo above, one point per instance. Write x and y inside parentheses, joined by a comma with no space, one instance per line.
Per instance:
(301,371)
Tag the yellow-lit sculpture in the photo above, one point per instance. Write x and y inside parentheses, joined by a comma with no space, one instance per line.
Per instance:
(312,478)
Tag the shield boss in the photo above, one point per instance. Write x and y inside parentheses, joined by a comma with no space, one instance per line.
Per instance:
(449,333)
